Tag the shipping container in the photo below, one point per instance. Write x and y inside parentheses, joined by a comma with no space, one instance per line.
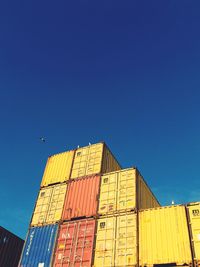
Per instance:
(116,241)
(93,159)
(39,246)
(194,224)
(58,168)
(49,205)
(82,197)
(164,237)
(123,191)
(10,248)
(75,244)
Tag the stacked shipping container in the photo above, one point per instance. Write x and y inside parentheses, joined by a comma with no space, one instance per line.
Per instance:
(10,248)
(90,212)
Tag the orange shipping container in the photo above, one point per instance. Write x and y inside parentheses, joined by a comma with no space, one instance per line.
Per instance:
(82,197)
(75,244)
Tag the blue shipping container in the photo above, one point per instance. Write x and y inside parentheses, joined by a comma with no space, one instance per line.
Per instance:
(39,246)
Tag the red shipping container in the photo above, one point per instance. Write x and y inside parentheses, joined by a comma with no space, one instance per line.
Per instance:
(82,197)
(75,244)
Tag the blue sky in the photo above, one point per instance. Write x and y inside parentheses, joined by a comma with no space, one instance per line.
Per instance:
(126,72)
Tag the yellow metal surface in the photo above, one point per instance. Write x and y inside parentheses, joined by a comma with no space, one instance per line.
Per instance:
(146,198)
(105,242)
(194,222)
(164,236)
(118,192)
(93,159)
(126,240)
(58,168)
(49,205)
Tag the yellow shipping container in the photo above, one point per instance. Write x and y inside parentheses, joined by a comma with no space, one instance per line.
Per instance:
(58,168)
(164,237)
(123,191)
(194,223)
(116,241)
(93,159)
(49,205)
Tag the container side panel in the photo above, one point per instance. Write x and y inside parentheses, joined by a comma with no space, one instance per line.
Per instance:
(75,244)
(10,248)
(82,197)
(146,199)
(126,198)
(108,193)
(105,242)
(194,216)
(58,168)
(39,246)
(126,240)
(109,163)
(164,237)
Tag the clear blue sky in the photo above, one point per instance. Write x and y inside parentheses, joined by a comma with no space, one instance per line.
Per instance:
(126,72)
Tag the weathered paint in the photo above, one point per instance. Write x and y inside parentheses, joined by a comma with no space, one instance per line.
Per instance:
(39,246)
(82,197)
(75,244)
(10,248)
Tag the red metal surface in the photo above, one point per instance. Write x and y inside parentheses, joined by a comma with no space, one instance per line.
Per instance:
(75,244)
(10,248)
(82,197)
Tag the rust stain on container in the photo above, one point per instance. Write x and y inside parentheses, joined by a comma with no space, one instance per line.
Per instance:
(82,197)
(75,244)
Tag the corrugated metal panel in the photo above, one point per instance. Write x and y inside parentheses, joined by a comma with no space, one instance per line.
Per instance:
(118,192)
(105,242)
(10,248)
(82,197)
(93,159)
(126,240)
(39,246)
(194,222)
(75,244)
(58,168)
(164,236)
(49,205)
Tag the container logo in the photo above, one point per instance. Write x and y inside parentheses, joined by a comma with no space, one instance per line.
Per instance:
(30,242)
(195,212)
(105,180)
(102,225)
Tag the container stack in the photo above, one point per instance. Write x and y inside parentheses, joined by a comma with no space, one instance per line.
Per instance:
(122,194)
(66,208)
(90,212)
